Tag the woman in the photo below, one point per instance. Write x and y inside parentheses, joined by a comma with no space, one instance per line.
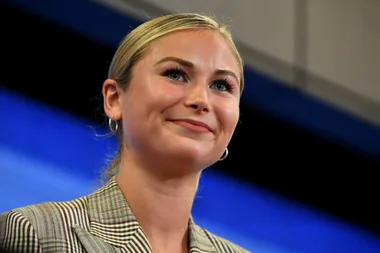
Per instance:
(172,98)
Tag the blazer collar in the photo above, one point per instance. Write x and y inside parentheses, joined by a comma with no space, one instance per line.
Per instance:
(112,223)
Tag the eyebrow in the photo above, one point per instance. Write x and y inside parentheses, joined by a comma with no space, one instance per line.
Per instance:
(189,64)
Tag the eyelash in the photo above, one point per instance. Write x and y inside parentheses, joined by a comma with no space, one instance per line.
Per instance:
(177,70)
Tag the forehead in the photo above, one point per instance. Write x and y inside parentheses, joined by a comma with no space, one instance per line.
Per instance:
(201,47)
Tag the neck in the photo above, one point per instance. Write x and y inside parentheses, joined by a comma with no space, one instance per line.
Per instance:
(161,205)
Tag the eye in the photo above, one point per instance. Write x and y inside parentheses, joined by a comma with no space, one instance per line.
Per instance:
(222,85)
(175,74)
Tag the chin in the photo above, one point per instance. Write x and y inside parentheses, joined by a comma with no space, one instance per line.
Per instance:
(195,158)
(185,146)
(195,152)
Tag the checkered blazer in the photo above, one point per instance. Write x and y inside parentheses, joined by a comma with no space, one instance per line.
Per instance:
(99,223)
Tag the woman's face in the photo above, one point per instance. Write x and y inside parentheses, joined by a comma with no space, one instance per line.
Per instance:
(182,105)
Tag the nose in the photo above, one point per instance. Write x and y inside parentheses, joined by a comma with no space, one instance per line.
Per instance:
(197,99)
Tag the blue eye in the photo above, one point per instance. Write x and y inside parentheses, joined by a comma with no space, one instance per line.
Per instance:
(222,85)
(219,86)
(175,74)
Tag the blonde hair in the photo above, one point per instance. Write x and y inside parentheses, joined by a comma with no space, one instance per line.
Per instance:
(133,47)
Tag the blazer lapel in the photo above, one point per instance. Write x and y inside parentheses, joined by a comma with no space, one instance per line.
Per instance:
(113,227)
(91,243)
(199,241)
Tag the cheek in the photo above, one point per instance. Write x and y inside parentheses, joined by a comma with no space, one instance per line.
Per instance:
(163,95)
(228,116)
(168,91)
(149,99)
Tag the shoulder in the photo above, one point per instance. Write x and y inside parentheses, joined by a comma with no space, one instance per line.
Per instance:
(223,245)
(53,213)
(41,223)
(16,230)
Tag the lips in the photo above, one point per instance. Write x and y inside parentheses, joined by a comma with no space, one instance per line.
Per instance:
(193,125)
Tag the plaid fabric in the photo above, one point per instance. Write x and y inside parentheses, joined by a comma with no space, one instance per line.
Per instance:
(99,223)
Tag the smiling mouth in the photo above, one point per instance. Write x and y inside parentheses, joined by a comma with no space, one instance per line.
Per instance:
(194,126)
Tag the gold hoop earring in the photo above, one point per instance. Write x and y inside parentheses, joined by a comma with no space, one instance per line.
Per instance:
(224,156)
(113,125)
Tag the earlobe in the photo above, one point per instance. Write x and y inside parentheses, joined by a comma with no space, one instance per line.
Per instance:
(111,99)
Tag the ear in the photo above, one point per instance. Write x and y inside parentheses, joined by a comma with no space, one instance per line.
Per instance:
(112,99)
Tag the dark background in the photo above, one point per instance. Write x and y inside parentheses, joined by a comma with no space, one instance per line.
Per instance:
(62,68)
